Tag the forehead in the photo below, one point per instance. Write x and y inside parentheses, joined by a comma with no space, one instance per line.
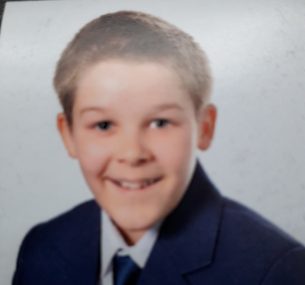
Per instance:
(122,82)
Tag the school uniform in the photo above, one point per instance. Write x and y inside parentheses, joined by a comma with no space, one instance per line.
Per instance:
(207,239)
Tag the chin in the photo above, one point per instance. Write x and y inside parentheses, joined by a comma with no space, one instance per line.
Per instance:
(135,223)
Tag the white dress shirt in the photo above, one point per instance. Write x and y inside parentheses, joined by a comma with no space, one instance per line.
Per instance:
(112,243)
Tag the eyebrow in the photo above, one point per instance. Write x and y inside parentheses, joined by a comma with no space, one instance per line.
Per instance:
(167,107)
(156,108)
(92,109)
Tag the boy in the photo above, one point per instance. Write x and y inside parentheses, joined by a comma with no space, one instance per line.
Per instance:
(135,94)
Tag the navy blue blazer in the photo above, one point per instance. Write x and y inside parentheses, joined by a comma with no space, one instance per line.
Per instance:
(207,239)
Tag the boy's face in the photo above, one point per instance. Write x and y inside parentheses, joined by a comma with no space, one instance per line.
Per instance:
(135,134)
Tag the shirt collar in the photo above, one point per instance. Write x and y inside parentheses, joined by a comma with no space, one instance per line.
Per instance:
(113,243)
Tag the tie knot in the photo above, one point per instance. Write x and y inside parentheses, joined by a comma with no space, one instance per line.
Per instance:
(125,271)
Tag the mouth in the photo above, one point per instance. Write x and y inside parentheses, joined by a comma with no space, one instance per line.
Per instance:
(130,185)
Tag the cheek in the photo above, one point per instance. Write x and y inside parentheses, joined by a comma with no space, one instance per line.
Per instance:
(177,149)
(92,157)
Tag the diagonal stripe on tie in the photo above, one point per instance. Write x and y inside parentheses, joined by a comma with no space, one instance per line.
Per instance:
(125,271)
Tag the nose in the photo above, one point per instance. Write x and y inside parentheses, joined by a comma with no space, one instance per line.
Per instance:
(133,150)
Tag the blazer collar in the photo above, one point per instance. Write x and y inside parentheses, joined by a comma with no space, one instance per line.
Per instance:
(188,236)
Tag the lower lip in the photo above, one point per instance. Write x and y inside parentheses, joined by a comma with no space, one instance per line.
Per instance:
(143,189)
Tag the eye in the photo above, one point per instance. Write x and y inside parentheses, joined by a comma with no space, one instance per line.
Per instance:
(160,123)
(103,125)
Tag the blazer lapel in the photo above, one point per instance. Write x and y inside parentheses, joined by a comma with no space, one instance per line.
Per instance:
(187,237)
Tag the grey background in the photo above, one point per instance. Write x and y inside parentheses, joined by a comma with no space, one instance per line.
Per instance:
(257,53)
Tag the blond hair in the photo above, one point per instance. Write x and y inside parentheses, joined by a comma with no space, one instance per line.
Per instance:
(136,36)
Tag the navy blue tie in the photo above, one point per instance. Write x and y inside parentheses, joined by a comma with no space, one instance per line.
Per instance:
(125,271)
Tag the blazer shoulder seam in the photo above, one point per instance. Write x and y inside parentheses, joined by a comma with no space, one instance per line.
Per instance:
(278,259)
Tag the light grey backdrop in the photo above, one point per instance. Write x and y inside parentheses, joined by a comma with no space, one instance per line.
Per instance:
(257,53)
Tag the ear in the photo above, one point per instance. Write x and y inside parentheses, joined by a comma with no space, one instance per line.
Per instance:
(206,124)
(66,134)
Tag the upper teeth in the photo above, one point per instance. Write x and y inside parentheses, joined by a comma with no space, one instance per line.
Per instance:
(135,185)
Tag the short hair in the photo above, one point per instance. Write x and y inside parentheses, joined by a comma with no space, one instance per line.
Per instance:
(134,36)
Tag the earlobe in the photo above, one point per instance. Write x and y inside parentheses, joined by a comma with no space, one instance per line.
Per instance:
(66,134)
(207,121)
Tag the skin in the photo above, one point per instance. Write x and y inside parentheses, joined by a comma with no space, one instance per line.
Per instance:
(134,124)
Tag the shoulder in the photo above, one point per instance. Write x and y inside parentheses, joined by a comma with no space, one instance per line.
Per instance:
(48,246)
(253,242)
(63,228)
(242,223)
(65,224)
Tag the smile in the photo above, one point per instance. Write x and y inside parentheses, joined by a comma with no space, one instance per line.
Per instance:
(135,185)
